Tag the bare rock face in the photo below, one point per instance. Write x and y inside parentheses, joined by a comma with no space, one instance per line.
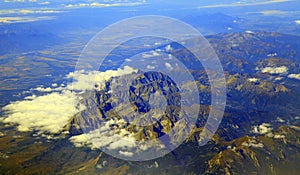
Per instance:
(150,105)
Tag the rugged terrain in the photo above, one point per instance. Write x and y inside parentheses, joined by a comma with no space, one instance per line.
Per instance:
(259,133)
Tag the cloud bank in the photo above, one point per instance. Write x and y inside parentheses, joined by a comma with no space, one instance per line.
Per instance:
(50,113)
(264,128)
(294,76)
(254,80)
(273,12)
(245,3)
(29,11)
(253,143)
(10,20)
(87,80)
(275,70)
(111,4)
(113,139)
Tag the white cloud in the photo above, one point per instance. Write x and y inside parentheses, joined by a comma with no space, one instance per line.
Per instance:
(54,85)
(168,66)
(272,54)
(278,78)
(10,20)
(30,97)
(275,70)
(253,143)
(151,54)
(264,128)
(150,67)
(297,22)
(44,3)
(277,136)
(41,89)
(280,120)
(254,80)
(128,60)
(99,5)
(157,43)
(169,48)
(15,1)
(245,3)
(273,12)
(294,76)
(86,81)
(81,141)
(112,138)
(126,153)
(249,32)
(29,11)
(105,136)
(49,113)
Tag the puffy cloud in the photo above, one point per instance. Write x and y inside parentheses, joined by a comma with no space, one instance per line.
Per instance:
(297,22)
(54,85)
(157,43)
(280,120)
(128,60)
(150,67)
(253,143)
(264,128)
(41,89)
(126,153)
(254,80)
(294,76)
(275,70)
(48,113)
(105,136)
(51,112)
(87,80)
(278,78)
(81,141)
(249,32)
(169,48)
(30,97)
(151,54)
(168,66)
(112,139)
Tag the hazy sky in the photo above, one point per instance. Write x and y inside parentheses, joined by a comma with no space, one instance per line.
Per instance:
(47,9)
(191,3)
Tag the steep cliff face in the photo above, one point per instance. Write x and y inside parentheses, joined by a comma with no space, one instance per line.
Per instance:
(150,107)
